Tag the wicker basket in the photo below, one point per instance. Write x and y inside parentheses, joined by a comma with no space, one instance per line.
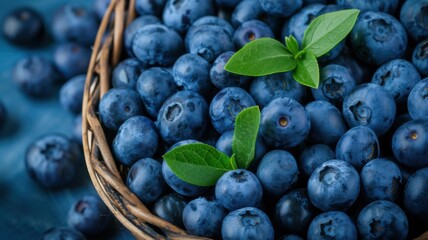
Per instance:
(106,175)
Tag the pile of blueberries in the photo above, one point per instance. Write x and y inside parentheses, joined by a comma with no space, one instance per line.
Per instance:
(348,160)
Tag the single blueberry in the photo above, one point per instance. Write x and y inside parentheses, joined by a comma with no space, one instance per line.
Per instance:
(157,45)
(149,7)
(247,223)
(89,215)
(414,17)
(415,195)
(277,172)
(183,116)
(417,104)
(133,28)
(146,181)
(155,85)
(23,26)
(382,219)
(246,10)
(409,144)
(126,73)
(294,212)
(281,8)
(52,160)
(249,31)
(222,78)
(36,76)
(118,105)
(334,185)
(136,138)
(62,233)
(266,88)
(226,105)
(327,123)
(381,180)
(170,208)
(72,59)
(284,123)
(332,225)
(213,20)
(420,57)
(202,217)
(373,5)
(75,23)
(370,105)
(398,77)
(238,189)
(313,156)
(71,94)
(358,146)
(378,37)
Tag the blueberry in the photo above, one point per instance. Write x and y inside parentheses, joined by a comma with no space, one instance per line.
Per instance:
(420,58)
(413,16)
(370,105)
(62,233)
(409,144)
(250,31)
(213,20)
(118,105)
(3,114)
(183,116)
(149,7)
(126,73)
(23,26)
(179,15)
(382,219)
(398,76)
(358,146)
(222,78)
(378,38)
(281,8)
(238,189)
(415,194)
(203,217)
(246,10)
(226,105)
(77,129)
(230,4)
(136,138)
(359,71)
(89,215)
(381,180)
(133,28)
(170,208)
(191,72)
(71,94)
(313,156)
(277,172)
(157,45)
(294,212)
(145,180)
(75,23)
(336,81)
(290,237)
(36,76)
(374,5)
(247,223)
(332,225)
(299,22)
(72,59)
(327,123)
(334,185)
(266,88)
(284,123)
(208,41)
(417,103)
(224,144)
(155,85)
(52,160)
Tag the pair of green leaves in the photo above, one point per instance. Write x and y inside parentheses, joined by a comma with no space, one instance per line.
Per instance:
(202,165)
(267,56)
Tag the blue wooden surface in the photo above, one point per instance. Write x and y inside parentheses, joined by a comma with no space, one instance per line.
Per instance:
(26,210)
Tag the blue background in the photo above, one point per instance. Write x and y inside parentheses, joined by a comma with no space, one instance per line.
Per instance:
(27,210)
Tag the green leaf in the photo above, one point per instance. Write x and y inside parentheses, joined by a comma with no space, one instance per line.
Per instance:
(198,163)
(233,162)
(292,44)
(307,71)
(261,57)
(328,30)
(245,135)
